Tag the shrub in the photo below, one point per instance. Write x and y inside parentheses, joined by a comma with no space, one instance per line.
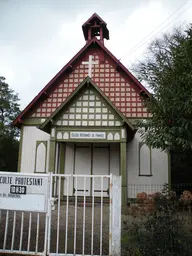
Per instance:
(162,232)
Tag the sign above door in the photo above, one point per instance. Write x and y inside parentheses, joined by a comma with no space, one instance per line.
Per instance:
(90,136)
(87,135)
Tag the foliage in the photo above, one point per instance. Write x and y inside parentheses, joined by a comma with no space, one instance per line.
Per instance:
(9,148)
(160,231)
(181,165)
(167,70)
(186,196)
(9,108)
(9,144)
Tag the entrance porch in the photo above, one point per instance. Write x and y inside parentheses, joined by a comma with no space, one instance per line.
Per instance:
(88,136)
(87,159)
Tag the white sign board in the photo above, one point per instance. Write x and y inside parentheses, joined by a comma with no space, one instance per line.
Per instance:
(24,192)
(88,135)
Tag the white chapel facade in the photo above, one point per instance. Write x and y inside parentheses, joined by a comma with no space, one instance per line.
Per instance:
(82,121)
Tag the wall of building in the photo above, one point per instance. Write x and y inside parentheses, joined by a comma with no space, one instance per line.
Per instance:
(33,152)
(147,169)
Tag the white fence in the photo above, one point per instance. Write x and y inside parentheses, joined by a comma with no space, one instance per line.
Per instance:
(77,225)
(20,233)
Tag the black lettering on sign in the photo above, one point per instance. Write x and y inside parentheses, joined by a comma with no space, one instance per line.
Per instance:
(21,190)
(6,180)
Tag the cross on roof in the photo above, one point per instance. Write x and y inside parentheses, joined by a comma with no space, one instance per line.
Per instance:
(90,63)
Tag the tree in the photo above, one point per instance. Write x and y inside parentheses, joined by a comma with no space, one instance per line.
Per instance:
(167,70)
(9,108)
(9,144)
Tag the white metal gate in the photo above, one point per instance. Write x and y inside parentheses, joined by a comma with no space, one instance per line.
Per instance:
(77,225)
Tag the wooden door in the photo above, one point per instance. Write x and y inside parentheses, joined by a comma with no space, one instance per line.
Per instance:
(82,166)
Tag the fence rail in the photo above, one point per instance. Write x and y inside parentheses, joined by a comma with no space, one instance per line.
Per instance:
(20,232)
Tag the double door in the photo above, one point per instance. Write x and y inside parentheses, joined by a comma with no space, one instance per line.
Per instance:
(92,159)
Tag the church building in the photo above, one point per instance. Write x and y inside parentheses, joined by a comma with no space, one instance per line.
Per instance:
(82,121)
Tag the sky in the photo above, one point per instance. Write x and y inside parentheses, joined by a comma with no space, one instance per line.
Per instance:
(38,37)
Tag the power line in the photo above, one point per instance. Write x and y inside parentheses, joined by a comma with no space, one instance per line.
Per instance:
(161,29)
(132,51)
(155,29)
(137,46)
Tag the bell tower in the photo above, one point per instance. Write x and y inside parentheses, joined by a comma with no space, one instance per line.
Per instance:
(95,27)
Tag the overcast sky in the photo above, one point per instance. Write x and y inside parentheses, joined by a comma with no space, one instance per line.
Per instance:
(38,37)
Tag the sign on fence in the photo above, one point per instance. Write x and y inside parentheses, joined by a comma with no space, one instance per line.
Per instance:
(24,192)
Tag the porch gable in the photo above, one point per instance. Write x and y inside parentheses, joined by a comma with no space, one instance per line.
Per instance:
(86,107)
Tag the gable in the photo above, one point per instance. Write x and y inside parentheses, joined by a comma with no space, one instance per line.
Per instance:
(123,95)
(118,84)
(88,109)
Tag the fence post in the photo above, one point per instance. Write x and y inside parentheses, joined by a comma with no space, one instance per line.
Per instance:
(116,215)
(48,215)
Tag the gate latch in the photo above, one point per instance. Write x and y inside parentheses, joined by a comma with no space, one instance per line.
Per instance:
(53,201)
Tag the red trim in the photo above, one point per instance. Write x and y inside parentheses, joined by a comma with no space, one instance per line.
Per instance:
(95,15)
(70,64)
(51,82)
